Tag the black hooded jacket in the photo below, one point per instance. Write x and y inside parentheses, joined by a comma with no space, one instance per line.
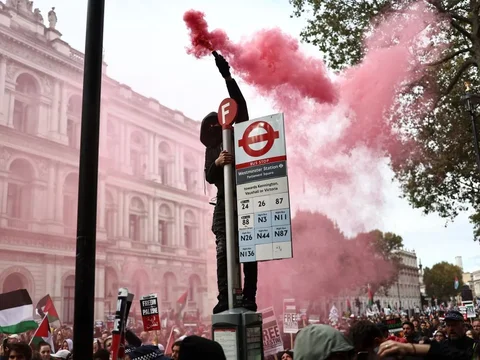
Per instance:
(213,173)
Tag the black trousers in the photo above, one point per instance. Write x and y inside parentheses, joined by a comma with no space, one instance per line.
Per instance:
(250,270)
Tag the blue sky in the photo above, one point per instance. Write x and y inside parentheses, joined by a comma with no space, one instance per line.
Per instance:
(145,48)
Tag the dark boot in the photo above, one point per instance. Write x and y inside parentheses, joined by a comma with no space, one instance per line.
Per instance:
(250,272)
(249,304)
(222,304)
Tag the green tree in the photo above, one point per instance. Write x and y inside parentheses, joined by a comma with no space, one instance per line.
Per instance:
(386,246)
(439,280)
(438,175)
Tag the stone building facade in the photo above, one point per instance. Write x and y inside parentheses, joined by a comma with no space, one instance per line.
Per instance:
(153,212)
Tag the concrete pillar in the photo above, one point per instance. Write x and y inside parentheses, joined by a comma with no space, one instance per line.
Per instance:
(178,233)
(119,215)
(3,74)
(101,204)
(63,111)
(59,196)
(155,222)
(125,220)
(51,198)
(150,231)
(54,116)
(11,107)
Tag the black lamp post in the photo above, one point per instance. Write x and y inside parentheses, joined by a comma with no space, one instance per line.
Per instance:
(83,326)
(472,101)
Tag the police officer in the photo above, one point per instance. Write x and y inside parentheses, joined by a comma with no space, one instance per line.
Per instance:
(215,159)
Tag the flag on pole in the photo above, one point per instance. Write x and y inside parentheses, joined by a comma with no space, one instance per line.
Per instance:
(182,301)
(16,312)
(43,333)
(370,296)
(349,306)
(45,306)
(456,283)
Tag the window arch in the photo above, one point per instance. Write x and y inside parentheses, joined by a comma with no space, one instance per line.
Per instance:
(70,191)
(165,218)
(137,153)
(169,284)
(164,169)
(68,299)
(136,218)
(194,284)
(74,119)
(25,110)
(190,229)
(110,214)
(14,281)
(190,172)
(20,190)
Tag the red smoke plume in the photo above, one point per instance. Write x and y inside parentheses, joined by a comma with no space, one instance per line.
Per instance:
(325,263)
(339,130)
(271,61)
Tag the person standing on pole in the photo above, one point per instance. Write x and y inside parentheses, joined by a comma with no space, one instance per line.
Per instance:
(215,159)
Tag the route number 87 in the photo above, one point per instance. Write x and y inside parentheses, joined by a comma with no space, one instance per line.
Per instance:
(278,201)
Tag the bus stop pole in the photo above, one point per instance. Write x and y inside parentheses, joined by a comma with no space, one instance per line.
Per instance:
(84,312)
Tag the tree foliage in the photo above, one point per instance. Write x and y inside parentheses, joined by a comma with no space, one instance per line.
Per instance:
(439,174)
(384,246)
(439,280)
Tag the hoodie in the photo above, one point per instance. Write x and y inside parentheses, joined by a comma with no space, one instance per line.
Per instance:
(318,342)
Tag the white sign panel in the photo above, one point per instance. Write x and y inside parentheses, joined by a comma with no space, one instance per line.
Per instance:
(290,317)
(263,201)
(272,338)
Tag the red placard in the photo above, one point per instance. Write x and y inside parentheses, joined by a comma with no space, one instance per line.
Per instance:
(150,313)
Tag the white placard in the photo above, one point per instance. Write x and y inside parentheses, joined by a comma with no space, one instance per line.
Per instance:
(227,338)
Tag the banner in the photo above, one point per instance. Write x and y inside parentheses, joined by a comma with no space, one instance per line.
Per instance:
(290,318)
(272,338)
(150,314)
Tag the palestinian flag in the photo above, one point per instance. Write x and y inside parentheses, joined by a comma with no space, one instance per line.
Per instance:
(43,333)
(349,306)
(370,296)
(45,307)
(182,301)
(16,312)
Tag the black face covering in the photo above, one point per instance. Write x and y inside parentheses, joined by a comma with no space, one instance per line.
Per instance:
(210,131)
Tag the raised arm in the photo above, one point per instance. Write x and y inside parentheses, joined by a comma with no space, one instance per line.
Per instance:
(233,89)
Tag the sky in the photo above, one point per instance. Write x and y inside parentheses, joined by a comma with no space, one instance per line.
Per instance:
(144,46)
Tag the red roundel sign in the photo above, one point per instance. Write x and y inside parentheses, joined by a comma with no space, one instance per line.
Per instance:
(268,136)
(227,112)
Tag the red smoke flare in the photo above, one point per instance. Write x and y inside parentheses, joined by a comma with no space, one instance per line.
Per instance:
(271,61)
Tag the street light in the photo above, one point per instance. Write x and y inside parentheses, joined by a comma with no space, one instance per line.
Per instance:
(472,101)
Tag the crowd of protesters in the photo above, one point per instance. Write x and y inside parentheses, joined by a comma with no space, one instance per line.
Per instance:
(420,336)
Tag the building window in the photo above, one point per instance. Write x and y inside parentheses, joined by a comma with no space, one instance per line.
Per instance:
(135,163)
(134,232)
(25,118)
(169,282)
(162,232)
(110,222)
(68,299)
(70,190)
(137,151)
(74,112)
(20,190)
(188,237)
(189,230)
(136,215)
(193,288)
(162,171)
